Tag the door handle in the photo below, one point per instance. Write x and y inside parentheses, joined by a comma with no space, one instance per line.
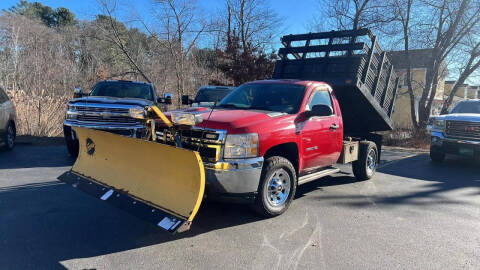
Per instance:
(334,127)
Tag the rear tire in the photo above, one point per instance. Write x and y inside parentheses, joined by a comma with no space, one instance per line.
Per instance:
(436,156)
(10,137)
(364,168)
(278,184)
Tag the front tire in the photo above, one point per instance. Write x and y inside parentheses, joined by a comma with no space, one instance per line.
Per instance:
(364,168)
(10,137)
(278,184)
(72,145)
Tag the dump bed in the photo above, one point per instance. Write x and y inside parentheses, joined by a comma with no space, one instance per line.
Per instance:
(353,63)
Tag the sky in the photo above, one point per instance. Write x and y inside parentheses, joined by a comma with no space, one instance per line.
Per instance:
(296,16)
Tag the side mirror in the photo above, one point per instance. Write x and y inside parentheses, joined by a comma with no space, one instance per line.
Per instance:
(78,92)
(186,100)
(319,110)
(167,99)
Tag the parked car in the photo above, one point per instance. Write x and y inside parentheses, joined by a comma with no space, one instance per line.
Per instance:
(458,132)
(207,96)
(8,130)
(114,106)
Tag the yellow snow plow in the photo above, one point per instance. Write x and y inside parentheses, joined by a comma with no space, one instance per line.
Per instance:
(160,183)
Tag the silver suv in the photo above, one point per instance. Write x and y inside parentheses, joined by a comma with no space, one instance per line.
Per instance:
(8,119)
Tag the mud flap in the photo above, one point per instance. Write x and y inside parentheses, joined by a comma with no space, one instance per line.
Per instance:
(160,183)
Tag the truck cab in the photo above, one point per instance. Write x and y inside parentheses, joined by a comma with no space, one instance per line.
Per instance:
(114,106)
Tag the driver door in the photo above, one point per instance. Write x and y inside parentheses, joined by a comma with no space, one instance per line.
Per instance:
(320,134)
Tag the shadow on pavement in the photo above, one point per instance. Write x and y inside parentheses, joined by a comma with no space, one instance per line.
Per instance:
(452,171)
(339,179)
(23,156)
(431,181)
(43,224)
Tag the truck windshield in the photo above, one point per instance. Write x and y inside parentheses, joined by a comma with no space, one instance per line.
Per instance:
(122,90)
(211,95)
(275,97)
(467,107)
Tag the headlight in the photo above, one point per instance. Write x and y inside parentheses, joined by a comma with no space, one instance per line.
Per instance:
(438,125)
(71,112)
(241,146)
(137,113)
(187,119)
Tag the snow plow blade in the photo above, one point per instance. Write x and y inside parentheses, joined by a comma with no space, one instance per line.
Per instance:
(160,183)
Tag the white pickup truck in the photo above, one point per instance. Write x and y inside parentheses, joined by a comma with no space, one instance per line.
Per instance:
(115,106)
(457,133)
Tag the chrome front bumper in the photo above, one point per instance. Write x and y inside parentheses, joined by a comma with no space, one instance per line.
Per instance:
(438,138)
(442,144)
(102,126)
(133,130)
(240,176)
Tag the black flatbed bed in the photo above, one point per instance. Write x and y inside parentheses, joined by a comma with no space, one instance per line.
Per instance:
(352,62)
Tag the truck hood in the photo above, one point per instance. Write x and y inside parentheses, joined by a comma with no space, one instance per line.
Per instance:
(470,117)
(235,121)
(113,100)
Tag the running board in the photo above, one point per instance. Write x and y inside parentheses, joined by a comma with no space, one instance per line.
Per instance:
(314,176)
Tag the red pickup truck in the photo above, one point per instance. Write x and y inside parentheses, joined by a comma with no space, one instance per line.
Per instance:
(272,136)
(267,137)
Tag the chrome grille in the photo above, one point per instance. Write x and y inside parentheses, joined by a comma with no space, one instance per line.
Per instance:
(110,119)
(463,129)
(100,109)
(208,143)
(103,114)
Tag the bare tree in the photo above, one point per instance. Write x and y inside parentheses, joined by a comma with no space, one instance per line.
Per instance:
(254,21)
(443,26)
(449,22)
(404,12)
(177,30)
(112,33)
(469,52)
(355,14)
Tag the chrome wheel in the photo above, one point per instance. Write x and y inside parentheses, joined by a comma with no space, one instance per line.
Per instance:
(10,136)
(371,161)
(278,187)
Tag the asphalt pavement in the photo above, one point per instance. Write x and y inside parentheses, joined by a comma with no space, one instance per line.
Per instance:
(412,215)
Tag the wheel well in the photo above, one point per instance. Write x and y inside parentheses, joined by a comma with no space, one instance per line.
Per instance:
(286,150)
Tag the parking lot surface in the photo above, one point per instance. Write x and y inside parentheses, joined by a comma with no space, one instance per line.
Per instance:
(412,215)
